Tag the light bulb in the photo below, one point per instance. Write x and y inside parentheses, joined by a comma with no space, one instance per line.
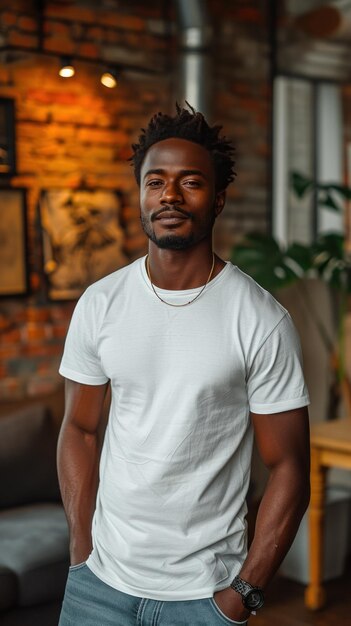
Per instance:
(108,79)
(66,70)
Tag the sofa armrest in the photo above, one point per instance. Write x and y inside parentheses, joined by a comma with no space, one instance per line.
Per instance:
(28,441)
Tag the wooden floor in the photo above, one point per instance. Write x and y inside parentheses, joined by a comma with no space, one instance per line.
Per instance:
(285,604)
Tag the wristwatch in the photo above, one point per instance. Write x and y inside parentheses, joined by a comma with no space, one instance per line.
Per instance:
(252,597)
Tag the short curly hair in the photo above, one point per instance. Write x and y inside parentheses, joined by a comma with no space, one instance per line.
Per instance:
(191,125)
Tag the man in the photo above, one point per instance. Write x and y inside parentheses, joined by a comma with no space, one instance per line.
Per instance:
(198,356)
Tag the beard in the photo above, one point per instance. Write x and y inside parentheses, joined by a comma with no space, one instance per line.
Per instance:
(174,241)
(167,242)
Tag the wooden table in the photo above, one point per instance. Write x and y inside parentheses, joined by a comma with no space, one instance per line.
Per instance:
(330,447)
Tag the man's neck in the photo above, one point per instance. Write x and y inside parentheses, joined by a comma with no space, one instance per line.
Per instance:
(182,269)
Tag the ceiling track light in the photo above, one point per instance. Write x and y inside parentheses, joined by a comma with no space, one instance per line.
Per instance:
(67,69)
(109,78)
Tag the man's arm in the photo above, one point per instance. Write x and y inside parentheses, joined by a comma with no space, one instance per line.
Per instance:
(283,443)
(78,457)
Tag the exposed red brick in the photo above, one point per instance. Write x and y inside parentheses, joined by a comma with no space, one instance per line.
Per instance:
(241,88)
(113,36)
(74,130)
(8,351)
(34,314)
(77,30)
(42,96)
(16,38)
(71,13)
(60,332)
(56,28)
(138,243)
(94,32)
(8,18)
(11,389)
(133,40)
(263,150)
(250,104)
(102,136)
(35,333)
(89,50)
(127,22)
(262,119)
(249,14)
(12,336)
(42,386)
(27,23)
(61,45)
(5,322)
(42,350)
(63,312)
(35,281)
(44,367)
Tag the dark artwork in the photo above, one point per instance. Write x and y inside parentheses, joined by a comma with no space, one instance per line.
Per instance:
(13,252)
(7,139)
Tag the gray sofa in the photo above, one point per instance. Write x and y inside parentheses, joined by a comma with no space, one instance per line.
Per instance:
(34,555)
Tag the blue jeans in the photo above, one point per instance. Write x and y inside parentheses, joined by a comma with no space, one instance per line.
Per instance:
(90,602)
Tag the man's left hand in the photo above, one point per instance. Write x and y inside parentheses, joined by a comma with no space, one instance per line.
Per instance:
(230,603)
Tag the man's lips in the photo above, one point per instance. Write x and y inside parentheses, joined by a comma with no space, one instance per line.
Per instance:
(170,216)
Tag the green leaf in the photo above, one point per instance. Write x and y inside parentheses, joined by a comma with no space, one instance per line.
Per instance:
(300,184)
(273,266)
(300,254)
(326,191)
(343,190)
(331,244)
(261,257)
(325,199)
(263,242)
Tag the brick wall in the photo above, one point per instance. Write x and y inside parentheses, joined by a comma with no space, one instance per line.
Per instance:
(75,130)
(243,104)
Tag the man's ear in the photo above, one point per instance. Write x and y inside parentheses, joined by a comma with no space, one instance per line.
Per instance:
(219,202)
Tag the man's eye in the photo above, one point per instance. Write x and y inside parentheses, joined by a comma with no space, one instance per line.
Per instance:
(192,183)
(154,183)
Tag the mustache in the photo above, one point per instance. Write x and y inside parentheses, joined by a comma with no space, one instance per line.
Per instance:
(170,207)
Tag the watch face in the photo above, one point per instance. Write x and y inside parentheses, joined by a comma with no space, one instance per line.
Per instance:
(254,599)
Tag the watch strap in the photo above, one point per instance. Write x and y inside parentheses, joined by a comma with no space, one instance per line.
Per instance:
(246,590)
(241,586)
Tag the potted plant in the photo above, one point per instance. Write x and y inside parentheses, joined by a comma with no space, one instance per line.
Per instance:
(275,266)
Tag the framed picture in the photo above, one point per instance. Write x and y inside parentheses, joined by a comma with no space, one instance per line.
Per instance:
(7,137)
(347,210)
(13,242)
(83,238)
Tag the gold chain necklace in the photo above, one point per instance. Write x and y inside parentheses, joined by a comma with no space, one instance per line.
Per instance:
(185,303)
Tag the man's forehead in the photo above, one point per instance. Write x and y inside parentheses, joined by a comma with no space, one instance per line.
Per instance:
(177,152)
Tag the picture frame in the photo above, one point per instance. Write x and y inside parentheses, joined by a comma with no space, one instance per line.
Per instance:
(7,137)
(83,238)
(13,242)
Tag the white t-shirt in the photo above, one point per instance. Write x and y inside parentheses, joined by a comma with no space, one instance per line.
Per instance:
(175,467)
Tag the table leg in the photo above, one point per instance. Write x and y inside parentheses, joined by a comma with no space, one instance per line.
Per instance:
(315,594)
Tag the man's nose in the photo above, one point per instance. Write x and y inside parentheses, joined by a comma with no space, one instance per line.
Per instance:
(171,193)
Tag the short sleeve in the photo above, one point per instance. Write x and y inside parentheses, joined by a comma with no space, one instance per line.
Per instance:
(275,380)
(80,361)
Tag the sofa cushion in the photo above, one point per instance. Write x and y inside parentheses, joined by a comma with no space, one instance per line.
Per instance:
(28,457)
(8,588)
(34,546)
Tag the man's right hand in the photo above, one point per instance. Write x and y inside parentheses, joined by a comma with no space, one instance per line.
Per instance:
(78,458)
(80,551)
